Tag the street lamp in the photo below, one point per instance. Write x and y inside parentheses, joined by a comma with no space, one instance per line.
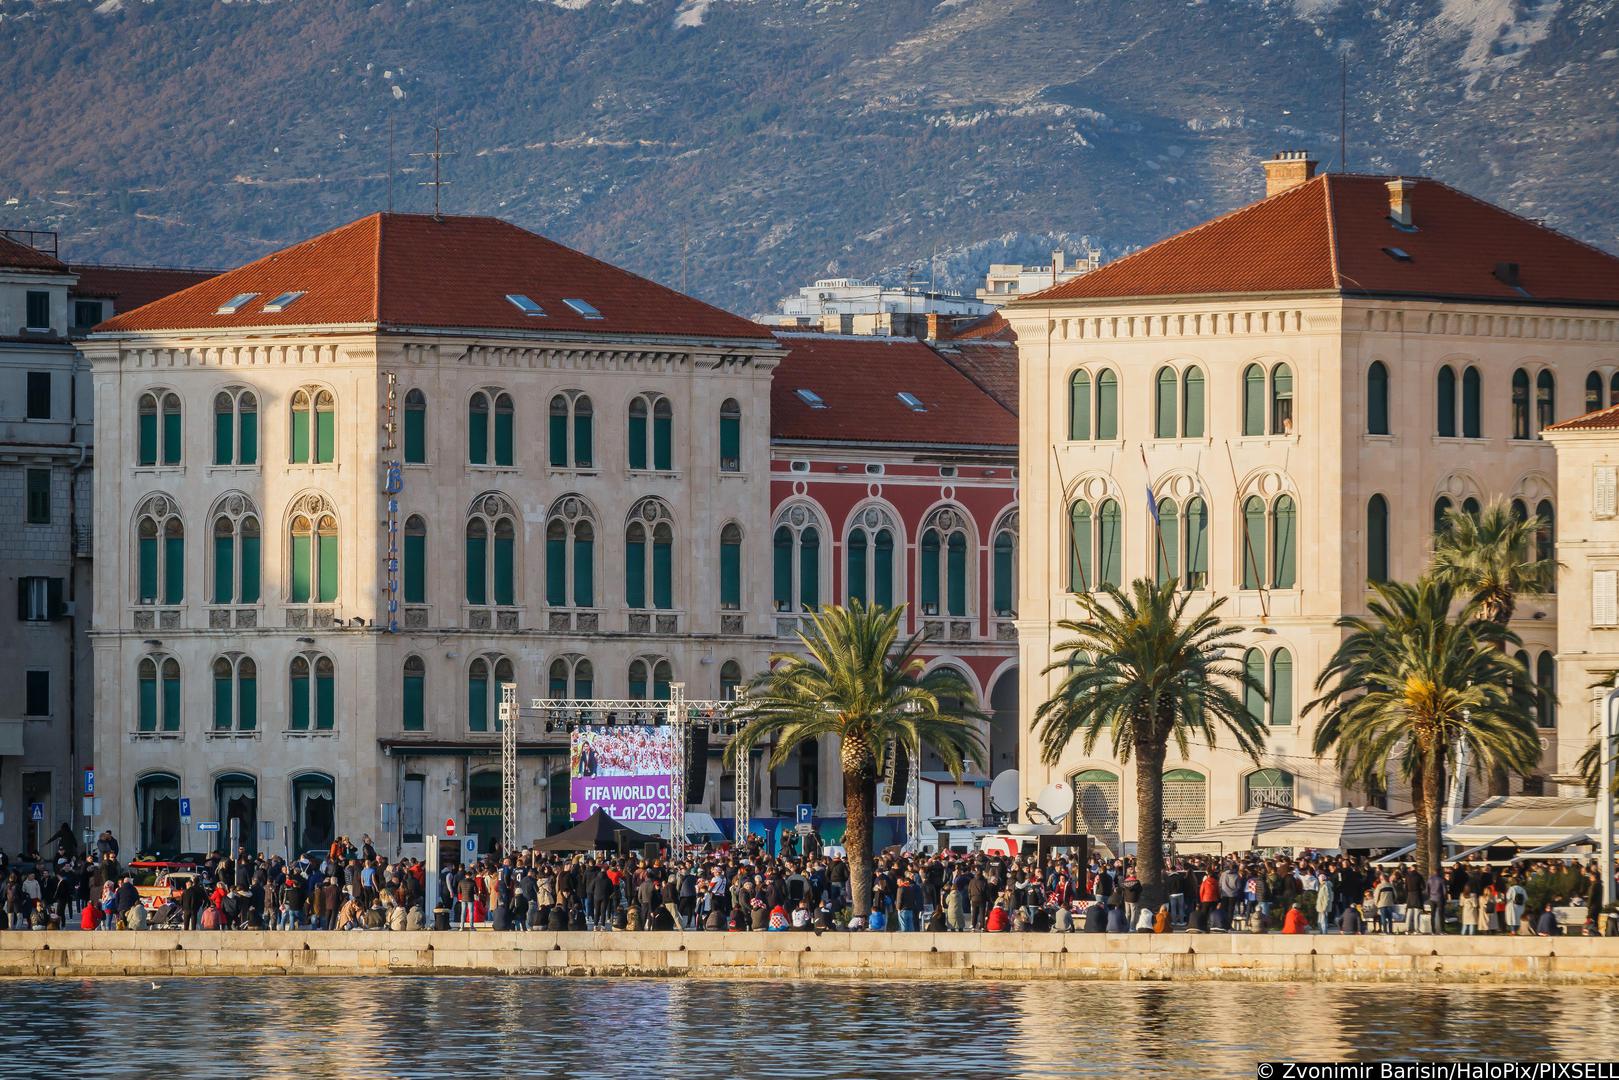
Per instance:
(1605,751)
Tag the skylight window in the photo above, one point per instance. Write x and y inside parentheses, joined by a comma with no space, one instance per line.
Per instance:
(810,398)
(584,308)
(236,303)
(1397,254)
(911,401)
(525,305)
(282,302)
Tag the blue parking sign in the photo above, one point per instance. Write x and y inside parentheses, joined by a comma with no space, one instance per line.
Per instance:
(806,813)
(185,808)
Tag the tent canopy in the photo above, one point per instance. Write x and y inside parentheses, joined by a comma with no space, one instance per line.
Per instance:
(598,832)
(1241,832)
(1525,821)
(1342,829)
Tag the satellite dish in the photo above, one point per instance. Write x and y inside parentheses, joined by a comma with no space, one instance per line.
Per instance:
(1056,800)
(1003,792)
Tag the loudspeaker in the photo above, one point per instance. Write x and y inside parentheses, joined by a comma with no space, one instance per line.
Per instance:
(697,764)
(902,777)
(650,850)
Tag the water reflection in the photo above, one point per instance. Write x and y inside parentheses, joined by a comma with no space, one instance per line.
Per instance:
(435,1027)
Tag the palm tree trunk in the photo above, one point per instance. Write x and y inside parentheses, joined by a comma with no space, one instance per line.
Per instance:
(1419,803)
(1433,775)
(1150,820)
(859,805)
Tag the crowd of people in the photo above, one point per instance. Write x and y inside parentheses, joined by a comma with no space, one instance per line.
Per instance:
(354,887)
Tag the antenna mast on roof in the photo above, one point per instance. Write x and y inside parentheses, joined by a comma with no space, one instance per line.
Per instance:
(390,163)
(436,184)
(1343,113)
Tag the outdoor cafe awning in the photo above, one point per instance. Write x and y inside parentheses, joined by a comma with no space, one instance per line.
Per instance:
(1343,829)
(1241,832)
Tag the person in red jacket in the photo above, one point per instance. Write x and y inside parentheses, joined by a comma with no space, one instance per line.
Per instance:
(997,922)
(1208,895)
(1295,922)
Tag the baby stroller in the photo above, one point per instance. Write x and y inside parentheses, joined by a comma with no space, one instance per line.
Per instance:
(167,917)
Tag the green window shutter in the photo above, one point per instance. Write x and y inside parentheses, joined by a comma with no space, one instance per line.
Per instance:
(930,573)
(584,573)
(1285,543)
(325,436)
(222,703)
(1004,604)
(477,572)
(1253,400)
(1192,404)
(503,437)
(174,569)
(477,704)
(247,429)
(1167,557)
(1107,405)
(1253,543)
(247,703)
(663,443)
(224,569)
(1197,544)
(147,451)
(328,569)
(148,570)
(637,689)
(171,437)
(1471,426)
(637,438)
(556,571)
(298,689)
(505,576)
(224,439)
(171,703)
(1163,426)
(478,436)
(1281,688)
(809,569)
(300,435)
(148,703)
(298,593)
(1079,406)
(730,576)
(415,436)
(781,557)
(882,570)
(1377,399)
(635,573)
(325,702)
(1081,573)
(1110,559)
(559,440)
(415,708)
(856,567)
(730,444)
(1253,695)
(1377,539)
(663,593)
(250,570)
(582,436)
(1446,420)
(415,582)
(955,574)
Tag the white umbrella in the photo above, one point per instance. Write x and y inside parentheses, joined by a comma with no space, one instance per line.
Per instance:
(1241,832)
(1341,829)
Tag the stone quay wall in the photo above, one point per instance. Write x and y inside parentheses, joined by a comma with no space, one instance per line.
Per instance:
(1171,957)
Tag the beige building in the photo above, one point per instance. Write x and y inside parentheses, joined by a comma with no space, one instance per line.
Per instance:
(351,488)
(1302,385)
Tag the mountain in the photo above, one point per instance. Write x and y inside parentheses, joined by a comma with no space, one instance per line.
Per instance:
(740,148)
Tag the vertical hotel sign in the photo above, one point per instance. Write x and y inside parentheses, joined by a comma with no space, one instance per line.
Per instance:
(393,482)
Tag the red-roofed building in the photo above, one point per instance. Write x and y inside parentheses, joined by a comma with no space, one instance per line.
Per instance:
(1273,408)
(103,291)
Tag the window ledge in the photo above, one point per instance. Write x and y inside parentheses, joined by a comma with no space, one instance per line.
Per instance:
(233,735)
(218,468)
(668,474)
(732,474)
(144,736)
(142,469)
(1266,440)
(310,734)
(1368,436)
(573,470)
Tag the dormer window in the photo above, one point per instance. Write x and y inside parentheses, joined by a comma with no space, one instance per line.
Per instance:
(584,309)
(282,302)
(236,303)
(525,305)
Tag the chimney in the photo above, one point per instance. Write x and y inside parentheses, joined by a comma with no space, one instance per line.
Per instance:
(1059,262)
(1400,201)
(1288,169)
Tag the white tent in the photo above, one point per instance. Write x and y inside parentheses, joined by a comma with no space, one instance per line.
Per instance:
(1241,832)
(1342,829)
(1527,821)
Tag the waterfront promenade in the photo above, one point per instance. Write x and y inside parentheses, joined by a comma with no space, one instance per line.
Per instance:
(1418,959)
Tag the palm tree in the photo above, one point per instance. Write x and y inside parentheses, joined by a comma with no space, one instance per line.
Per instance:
(853,684)
(1409,681)
(1142,669)
(1589,765)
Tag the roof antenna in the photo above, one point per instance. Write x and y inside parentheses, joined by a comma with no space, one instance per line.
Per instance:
(1343,113)
(436,184)
(390,163)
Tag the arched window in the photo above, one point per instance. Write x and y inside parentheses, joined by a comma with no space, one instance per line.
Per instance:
(1613,389)
(662,674)
(1004,557)
(730,436)
(314,426)
(490,433)
(730,680)
(1253,693)
(312,694)
(1441,515)
(1593,391)
(1284,542)
(570,554)
(869,558)
(313,555)
(1377,399)
(1268,787)
(415,427)
(1470,507)
(571,678)
(483,692)
(158,707)
(413,695)
(491,552)
(796,560)
(1546,683)
(1253,400)
(571,435)
(943,563)
(1377,539)
(649,539)
(1107,405)
(1253,542)
(236,428)
(157,805)
(1196,550)
(1520,404)
(160,542)
(1447,402)
(236,552)
(415,558)
(1081,547)
(160,426)
(1110,544)
(1281,688)
(314,811)
(1193,410)
(1166,542)
(1165,394)
(1546,534)
(651,433)
(1079,406)
(731,568)
(1281,400)
(1472,404)
(1545,400)
(236,694)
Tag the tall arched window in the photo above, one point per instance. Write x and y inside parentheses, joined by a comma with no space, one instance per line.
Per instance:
(1268,787)
(1253,542)
(1284,542)
(1520,404)
(730,436)
(1081,547)
(1253,693)
(236,694)
(730,568)
(159,429)
(313,555)
(413,695)
(236,552)
(1446,420)
(571,433)
(1281,400)
(1269,543)
(1079,406)
(1545,400)
(1472,404)
(415,427)
(1593,391)
(160,543)
(661,673)
(1281,688)
(1166,542)
(1441,515)
(943,563)
(1193,408)
(651,433)
(157,805)
(1196,551)
(415,560)
(730,680)
(1253,400)
(1107,405)
(796,560)
(1470,507)
(483,692)
(314,426)
(1377,539)
(158,697)
(1110,544)
(491,552)
(312,694)
(1165,394)
(1004,557)
(649,540)
(1377,399)
(236,428)
(1546,535)
(491,435)
(570,554)
(869,558)
(571,677)
(1546,684)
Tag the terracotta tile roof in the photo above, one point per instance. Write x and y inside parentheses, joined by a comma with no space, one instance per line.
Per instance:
(19,256)
(859,378)
(129,287)
(991,365)
(1332,234)
(1600,420)
(409,270)
(992,326)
